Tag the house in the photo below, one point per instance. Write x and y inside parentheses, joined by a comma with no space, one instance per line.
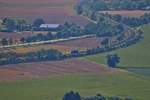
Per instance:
(49,26)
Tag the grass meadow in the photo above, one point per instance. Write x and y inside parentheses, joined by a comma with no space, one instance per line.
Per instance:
(121,83)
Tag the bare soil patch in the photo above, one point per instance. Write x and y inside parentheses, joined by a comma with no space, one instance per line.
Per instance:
(128,13)
(43,69)
(65,47)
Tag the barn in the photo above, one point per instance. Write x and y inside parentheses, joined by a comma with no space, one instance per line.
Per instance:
(49,27)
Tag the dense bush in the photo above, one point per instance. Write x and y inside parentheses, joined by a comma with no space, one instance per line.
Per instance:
(72,96)
(76,96)
(105,28)
(41,55)
(130,21)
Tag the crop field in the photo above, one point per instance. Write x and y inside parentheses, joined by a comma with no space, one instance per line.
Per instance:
(19,35)
(39,69)
(120,83)
(57,11)
(134,13)
(65,47)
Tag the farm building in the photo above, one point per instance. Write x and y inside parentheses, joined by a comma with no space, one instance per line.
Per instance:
(49,27)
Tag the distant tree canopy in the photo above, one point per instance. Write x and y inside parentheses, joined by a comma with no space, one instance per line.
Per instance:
(72,96)
(9,23)
(41,55)
(69,30)
(97,5)
(113,60)
(12,25)
(105,27)
(4,41)
(76,96)
(38,22)
(130,21)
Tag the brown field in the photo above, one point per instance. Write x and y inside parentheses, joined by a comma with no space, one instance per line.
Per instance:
(53,11)
(135,13)
(15,35)
(67,46)
(43,69)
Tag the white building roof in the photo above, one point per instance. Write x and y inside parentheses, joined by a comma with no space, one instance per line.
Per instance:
(49,25)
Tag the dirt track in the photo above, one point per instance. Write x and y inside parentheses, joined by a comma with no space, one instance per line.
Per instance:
(43,69)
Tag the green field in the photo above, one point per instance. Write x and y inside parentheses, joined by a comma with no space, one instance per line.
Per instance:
(134,56)
(120,83)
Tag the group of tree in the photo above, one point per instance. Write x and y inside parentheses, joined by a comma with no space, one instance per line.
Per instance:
(69,30)
(98,5)
(38,37)
(35,56)
(5,41)
(12,25)
(113,60)
(130,21)
(64,31)
(76,96)
(105,27)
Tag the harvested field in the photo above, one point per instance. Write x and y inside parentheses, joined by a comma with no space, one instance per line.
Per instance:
(67,46)
(86,43)
(64,2)
(61,48)
(134,13)
(19,35)
(40,69)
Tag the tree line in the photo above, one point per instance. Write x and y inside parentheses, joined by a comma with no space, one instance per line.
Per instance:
(35,56)
(52,54)
(90,9)
(64,31)
(99,5)
(76,96)
(130,21)
(105,27)
(15,25)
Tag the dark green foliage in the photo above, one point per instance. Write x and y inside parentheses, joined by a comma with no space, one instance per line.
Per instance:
(115,98)
(38,22)
(113,60)
(98,5)
(22,40)
(4,41)
(105,27)
(105,42)
(9,24)
(72,96)
(97,97)
(76,96)
(131,21)
(90,28)
(10,41)
(41,55)
(69,30)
